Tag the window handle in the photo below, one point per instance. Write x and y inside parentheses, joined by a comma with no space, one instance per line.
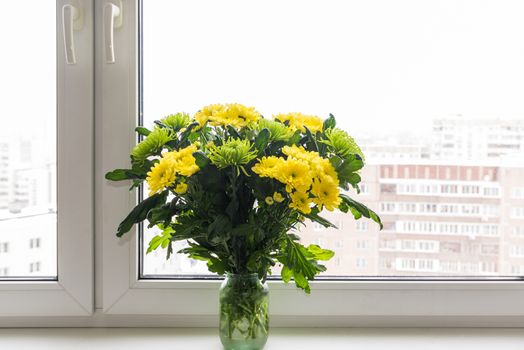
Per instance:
(71,21)
(112,20)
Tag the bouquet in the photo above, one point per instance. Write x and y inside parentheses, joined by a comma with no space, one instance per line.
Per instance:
(237,186)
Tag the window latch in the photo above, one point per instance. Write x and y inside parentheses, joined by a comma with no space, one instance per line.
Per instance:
(72,20)
(112,20)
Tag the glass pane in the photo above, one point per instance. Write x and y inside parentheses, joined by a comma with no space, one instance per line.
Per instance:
(432,91)
(28,139)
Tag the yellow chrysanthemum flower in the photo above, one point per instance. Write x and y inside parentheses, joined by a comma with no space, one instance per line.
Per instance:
(269,200)
(326,194)
(301,202)
(299,153)
(313,123)
(295,174)
(267,166)
(233,114)
(207,112)
(278,197)
(323,168)
(161,175)
(299,121)
(183,161)
(181,188)
(236,115)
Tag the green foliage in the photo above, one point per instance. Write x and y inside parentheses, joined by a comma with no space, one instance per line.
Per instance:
(151,145)
(201,159)
(142,131)
(300,263)
(358,209)
(277,130)
(234,152)
(262,140)
(330,122)
(139,213)
(163,240)
(176,121)
(341,143)
(121,174)
(222,210)
(348,171)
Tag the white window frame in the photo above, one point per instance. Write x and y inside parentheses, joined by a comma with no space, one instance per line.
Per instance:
(120,297)
(331,303)
(72,293)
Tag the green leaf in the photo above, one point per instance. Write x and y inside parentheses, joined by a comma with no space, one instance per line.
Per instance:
(286,274)
(197,252)
(162,240)
(354,179)
(302,282)
(297,258)
(348,167)
(312,142)
(232,132)
(139,213)
(362,209)
(216,266)
(232,209)
(161,215)
(121,174)
(319,253)
(242,230)
(189,130)
(219,230)
(313,216)
(142,131)
(330,122)
(336,161)
(262,140)
(201,159)
(293,237)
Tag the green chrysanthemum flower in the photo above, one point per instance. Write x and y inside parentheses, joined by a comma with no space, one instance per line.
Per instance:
(341,143)
(153,143)
(234,152)
(176,121)
(277,131)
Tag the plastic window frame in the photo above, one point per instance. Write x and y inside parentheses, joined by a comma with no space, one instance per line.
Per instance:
(72,293)
(368,302)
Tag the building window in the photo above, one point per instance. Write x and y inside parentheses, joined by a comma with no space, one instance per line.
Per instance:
(34,243)
(339,243)
(491,191)
(517,212)
(318,227)
(517,231)
(362,244)
(361,226)
(517,192)
(364,188)
(517,251)
(34,267)
(361,263)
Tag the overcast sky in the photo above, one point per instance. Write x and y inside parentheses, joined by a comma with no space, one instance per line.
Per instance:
(378,65)
(28,69)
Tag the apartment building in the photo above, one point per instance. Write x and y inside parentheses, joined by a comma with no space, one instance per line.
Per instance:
(28,234)
(471,137)
(439,219)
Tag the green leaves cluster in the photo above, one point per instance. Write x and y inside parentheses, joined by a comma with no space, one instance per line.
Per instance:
(225,215)
(301,263)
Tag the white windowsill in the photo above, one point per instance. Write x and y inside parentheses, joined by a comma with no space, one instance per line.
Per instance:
(281,338)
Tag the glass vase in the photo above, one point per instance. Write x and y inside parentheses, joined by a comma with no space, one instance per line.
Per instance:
(244,317)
